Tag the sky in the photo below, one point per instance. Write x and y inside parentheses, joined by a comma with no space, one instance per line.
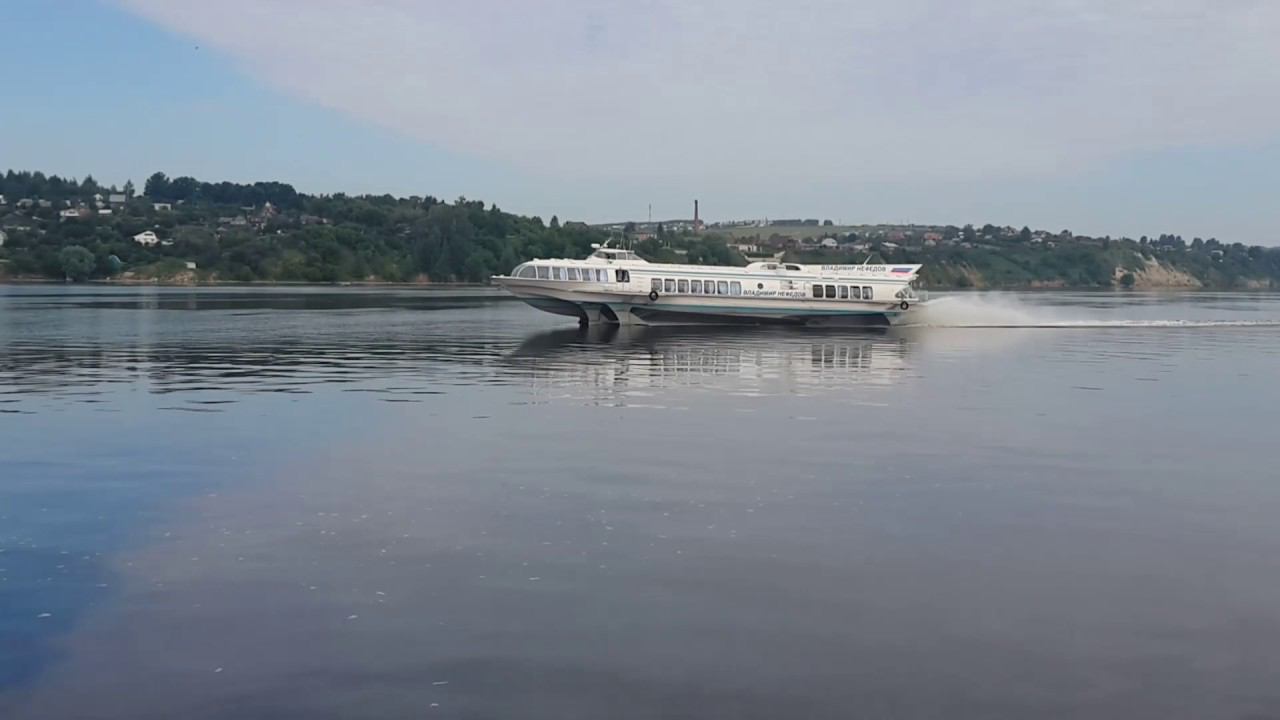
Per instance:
(1120,117)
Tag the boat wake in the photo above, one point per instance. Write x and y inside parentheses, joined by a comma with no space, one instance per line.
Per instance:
(977,311)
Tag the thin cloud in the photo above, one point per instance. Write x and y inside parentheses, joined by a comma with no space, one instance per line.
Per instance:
(740,93)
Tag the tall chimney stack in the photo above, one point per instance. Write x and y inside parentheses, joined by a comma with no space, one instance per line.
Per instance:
(695,212)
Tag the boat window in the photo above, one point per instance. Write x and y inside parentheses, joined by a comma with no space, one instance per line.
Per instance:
(670,285)
(622,275)
(794,267)
(722,287)
(695,287)
(866,293)
(831,291)
(844,292)
(527,271)
(557,273)
(573,274)
(544,272)
(817,291)
(682,286)
(735,288)
(656,284)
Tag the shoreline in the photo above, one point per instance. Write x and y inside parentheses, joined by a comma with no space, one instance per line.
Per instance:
(242,283)
(375,284)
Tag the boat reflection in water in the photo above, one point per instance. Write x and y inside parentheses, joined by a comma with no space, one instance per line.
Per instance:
(743,362)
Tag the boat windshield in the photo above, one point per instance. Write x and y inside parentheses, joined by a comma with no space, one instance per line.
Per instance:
(613,255)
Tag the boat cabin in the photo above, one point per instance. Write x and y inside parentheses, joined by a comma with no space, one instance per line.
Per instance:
(615,270)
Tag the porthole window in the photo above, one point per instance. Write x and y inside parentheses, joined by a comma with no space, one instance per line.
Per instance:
(759,286)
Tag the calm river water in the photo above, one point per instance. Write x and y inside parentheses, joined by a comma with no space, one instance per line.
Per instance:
(228,503)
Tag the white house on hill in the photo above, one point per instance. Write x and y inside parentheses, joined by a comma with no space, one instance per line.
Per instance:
(146,239)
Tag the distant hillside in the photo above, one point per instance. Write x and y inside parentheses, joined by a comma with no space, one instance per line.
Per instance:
(262,232)
(1006,257)
(187,231)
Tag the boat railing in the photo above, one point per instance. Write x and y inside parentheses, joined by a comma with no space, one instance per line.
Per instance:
(913,294)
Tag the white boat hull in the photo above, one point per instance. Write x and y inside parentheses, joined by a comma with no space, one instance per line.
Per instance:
(591,305)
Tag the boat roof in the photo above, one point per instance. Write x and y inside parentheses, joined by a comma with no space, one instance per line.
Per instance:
(772,268)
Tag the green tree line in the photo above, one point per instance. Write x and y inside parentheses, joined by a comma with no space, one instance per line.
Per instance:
(267,231)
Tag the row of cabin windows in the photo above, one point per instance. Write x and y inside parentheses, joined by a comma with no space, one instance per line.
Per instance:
(686,287)
(547,272)
(696,287)
(843,292)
